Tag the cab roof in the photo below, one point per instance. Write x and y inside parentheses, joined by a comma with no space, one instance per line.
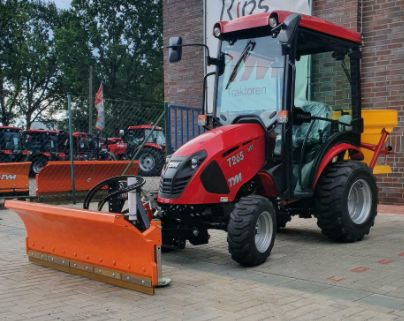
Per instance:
(43,131)
(10,128)
(307,22)
(144,127)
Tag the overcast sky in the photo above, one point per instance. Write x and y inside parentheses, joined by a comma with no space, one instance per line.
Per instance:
(62,4)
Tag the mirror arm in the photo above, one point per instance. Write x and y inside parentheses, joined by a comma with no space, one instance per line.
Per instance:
(204,90)
(213,61)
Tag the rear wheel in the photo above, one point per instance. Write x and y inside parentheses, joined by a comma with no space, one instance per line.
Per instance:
(37,164)
(151,162)
(251,230)
(346,201)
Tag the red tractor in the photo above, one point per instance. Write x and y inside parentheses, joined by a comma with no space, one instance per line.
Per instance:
(152,155)
(283,138)
(90,147)
(43,146)
(117,147)
(10,144)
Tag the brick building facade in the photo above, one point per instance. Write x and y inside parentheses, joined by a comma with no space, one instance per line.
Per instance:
(382,25)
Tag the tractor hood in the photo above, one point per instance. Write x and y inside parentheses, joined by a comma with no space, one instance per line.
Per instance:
(221,139)
(214,165)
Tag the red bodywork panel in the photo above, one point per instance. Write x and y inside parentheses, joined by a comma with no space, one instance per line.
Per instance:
(307,22)
(81,134)
(225,145)
(117,146)
(266,185)
(333,152)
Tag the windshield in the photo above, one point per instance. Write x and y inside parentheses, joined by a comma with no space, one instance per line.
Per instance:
(156,137)
(252,81)
(10,140)
(137,136)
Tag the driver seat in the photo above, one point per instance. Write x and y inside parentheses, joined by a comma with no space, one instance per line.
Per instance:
(312,139)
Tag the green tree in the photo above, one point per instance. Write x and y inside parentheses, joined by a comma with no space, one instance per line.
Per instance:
(12,17)
(29,70)
(125,39)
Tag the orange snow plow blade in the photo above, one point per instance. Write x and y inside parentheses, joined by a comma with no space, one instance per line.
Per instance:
(14,177)
(55,177)
(97,245)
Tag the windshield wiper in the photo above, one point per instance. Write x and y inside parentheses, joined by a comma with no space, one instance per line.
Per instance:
(248,48)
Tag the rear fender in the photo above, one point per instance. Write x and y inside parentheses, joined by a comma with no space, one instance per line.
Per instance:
(354,152)
(266,185)
(154,145)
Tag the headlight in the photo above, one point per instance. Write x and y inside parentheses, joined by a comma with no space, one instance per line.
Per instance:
(197,159)
(273,22)
(194,163)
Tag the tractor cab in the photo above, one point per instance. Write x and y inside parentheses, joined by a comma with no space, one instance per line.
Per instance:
(85,146)
(136,135)
(10,144)
(43,146)
(147,143)
(297,80)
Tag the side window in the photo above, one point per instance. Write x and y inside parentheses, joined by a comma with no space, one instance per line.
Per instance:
(323,89)
(327,92)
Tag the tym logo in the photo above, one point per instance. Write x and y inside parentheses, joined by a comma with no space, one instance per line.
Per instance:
(8,177)
(232,181)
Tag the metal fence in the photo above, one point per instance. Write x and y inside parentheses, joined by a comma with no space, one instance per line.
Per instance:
(67,154)
(70,155)
(182,125)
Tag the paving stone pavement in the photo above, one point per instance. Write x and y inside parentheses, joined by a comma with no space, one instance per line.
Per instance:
(306,278)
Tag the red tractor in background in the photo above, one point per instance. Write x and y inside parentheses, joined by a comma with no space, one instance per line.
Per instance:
(274,149)
(152,155)
(43,146)
(117,147)
(91,147)
(10,145)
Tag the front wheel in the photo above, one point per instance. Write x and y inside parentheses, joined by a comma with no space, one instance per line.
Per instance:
(151,162)
(251,230)
(346,201)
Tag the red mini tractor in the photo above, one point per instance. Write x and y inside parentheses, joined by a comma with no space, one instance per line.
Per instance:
(90,147)
(10,144)
(43,146)
(152,155)
(117,147)
(283,138)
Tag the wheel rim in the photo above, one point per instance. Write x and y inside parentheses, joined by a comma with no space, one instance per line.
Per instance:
(359,201)
(263,232)
(146,162)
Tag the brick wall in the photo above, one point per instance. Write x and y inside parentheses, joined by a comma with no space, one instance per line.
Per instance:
(183,80)
(383,81)
(381,22)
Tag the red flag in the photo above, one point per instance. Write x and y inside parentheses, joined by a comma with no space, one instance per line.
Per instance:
(99,105)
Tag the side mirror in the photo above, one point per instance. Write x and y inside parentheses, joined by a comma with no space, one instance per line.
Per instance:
(289,29)
(175,49)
